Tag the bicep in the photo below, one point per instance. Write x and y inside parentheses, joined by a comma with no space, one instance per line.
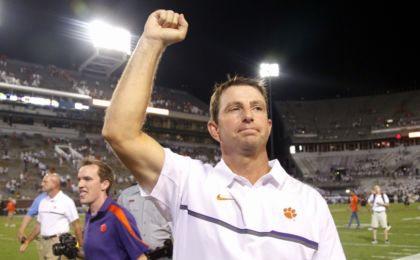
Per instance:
(143,156)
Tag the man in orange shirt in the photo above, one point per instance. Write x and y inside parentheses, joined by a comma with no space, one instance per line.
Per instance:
(11,209)
(354,206)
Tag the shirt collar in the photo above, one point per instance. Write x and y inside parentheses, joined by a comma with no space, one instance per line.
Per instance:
(102,211)
(59,193)
(276,176)
(106,204)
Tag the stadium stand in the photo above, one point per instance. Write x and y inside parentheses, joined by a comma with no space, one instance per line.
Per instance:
(339,143)
(35,137)
(353,143)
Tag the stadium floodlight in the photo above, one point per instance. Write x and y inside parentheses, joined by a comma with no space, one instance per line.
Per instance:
(109,37)
(268,70)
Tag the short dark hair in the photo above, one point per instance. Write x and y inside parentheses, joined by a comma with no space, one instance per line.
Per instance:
(219,88)
(105,172)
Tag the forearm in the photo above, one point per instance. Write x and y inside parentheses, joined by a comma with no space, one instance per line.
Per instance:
(78,232)
(126,114)
(34,233)
(25,222)
(79,237)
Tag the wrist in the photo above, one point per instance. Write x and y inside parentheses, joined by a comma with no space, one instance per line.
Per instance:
(151,44)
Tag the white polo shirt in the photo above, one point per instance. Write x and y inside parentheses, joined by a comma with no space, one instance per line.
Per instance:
(219,215)
(55,214)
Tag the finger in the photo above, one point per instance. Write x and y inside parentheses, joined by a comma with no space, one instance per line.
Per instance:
(168,19)
(175,21)
(162,17)
(183,24)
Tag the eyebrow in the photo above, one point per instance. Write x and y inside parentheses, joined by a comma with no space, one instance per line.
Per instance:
(237,103)
(257,102)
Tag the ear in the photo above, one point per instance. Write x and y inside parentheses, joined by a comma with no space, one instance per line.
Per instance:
(104,185)
(213,129)
(270,125)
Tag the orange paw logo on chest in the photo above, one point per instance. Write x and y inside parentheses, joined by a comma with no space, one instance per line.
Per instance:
(103,228)
(289,213)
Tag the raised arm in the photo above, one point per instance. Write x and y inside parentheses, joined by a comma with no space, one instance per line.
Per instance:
(125,117)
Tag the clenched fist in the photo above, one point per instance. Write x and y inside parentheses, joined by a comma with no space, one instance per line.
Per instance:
(165,26)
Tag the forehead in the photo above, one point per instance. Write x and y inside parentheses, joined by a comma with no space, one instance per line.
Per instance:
(88,170)
(241,93)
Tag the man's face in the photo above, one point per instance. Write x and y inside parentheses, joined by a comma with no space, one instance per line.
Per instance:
(47,183)
(243,122)
(90,186)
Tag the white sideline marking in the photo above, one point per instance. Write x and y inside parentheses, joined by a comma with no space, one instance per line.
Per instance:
(6,238)
(383,245)
(410,257)
(353,225)
(397,253)
(408,234)
(407,219)
(410,249)
(382,256)
(338,210)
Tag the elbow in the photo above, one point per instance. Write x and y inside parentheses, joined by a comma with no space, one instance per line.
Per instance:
(111,134)
(107,133)
(115,135)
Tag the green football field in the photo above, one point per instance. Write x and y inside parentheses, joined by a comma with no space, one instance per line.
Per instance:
(404,235)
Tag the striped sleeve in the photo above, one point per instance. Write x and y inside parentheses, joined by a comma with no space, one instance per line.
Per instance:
(128,233)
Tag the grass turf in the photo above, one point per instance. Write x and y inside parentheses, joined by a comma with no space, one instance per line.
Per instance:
(404,235)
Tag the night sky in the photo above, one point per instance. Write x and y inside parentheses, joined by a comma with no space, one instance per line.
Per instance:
(325,49)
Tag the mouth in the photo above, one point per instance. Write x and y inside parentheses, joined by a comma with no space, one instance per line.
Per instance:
(248,130)
(82,194)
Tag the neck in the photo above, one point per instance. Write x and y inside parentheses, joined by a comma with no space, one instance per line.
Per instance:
(250,167)
(97,204)
(52,193)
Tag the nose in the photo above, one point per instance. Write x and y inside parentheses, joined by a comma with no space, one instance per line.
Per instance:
(248,116)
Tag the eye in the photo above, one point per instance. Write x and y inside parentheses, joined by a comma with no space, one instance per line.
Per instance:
(234,108)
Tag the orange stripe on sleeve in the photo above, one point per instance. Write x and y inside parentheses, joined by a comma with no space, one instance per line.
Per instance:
(119,213)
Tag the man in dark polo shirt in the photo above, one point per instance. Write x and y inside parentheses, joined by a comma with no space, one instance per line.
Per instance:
(110,230)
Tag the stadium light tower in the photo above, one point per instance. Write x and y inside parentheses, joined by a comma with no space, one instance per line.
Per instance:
(268,71)
(109,37)
(112,46)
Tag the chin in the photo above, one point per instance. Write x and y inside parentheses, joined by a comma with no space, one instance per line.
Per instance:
(249,148)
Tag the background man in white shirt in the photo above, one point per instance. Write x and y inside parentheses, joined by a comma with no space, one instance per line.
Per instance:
(379,202)
(55,213)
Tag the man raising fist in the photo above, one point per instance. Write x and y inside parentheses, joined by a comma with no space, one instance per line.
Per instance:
(246,207)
